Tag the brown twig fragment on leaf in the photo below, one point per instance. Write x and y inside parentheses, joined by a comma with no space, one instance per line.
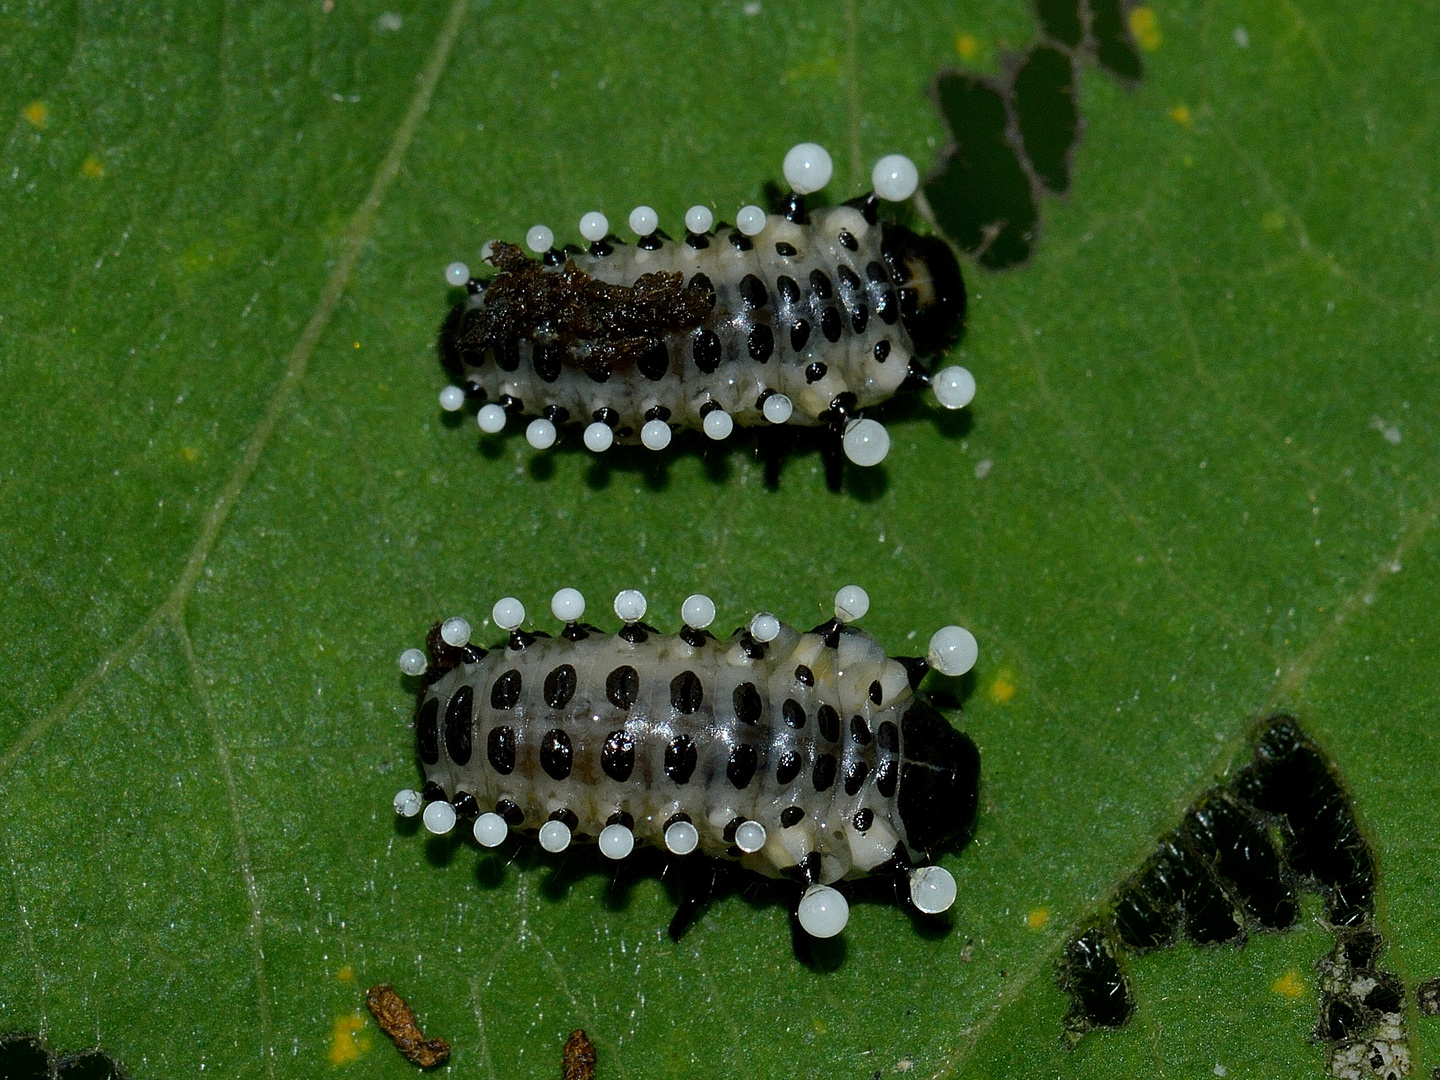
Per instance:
(578,1060)
(397,1020)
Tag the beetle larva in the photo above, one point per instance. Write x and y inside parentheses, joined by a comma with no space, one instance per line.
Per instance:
(807,756)
(803,317)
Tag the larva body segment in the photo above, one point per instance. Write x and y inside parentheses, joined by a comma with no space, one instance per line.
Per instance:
(789,318)
(805,755)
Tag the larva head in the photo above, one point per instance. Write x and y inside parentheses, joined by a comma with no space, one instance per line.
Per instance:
(932,292)
(939,779)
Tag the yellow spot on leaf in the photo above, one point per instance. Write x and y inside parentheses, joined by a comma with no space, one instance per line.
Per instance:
(967,46)
(1289,985)
(1146,28)
(357,344)
(189,453)
(347,1041)
(1181,115)
(92,168)
(1003,688)
(38,114)
(346,974)
(1273,221)
(1037,918)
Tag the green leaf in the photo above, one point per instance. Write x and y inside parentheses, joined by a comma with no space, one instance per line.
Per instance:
(1207,426)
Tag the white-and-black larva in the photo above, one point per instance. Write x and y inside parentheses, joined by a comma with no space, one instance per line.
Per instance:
(800,755)
(804,318)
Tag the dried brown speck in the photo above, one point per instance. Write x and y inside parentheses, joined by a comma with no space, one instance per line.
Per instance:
(397,1020)
(577,1062)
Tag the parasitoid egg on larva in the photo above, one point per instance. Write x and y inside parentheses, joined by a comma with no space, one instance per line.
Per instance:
(804,317)
(703,748)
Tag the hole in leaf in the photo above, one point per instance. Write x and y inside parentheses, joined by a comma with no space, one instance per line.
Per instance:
(1046,112)
(1114,48)
(1061,20)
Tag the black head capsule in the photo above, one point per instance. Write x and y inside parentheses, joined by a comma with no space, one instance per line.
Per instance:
(939,779)
(926,270)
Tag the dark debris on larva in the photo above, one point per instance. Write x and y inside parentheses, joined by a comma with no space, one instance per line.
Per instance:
(1235,865)
(772,328)
(674,740)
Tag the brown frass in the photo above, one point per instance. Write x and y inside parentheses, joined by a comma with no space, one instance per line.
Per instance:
(397,1020)
(577,1060)
(596,325)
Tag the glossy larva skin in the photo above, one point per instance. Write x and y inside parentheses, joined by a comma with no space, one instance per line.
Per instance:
(847,677)
(866,354)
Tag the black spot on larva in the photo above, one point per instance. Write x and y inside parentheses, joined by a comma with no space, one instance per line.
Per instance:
(887,308)
(617,756)
(799,334)
(789,289)
(859,729)
(860,319)
(820,283)
(600,372)
(830,324)
(855,774)
(705,347)
(702,284)
(654,362)
(686,692)
(458,712)
(512,814)
(793,712)
(560,686)
(556,753)
(804,675)
(876,272)
(1099,992)
(740,241)
(887,738)
(829,721)
(824,774)
(548,359)
(760,342)
(753,292)
(848,241)
(698,241)
(791,816)
(746,700)
(433,792)
(815,372)
(785,250)
(728,833)
(886,776)
(788,768)
(741,768)
(877,692)
(500,749)
(681,758)
(882,351)
(863,819)
(508,355)
(622,686)
(849,279)
(506,691)
(427,731)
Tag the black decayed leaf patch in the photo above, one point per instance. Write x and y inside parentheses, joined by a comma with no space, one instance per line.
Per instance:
(25,1057)
(1234,866)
